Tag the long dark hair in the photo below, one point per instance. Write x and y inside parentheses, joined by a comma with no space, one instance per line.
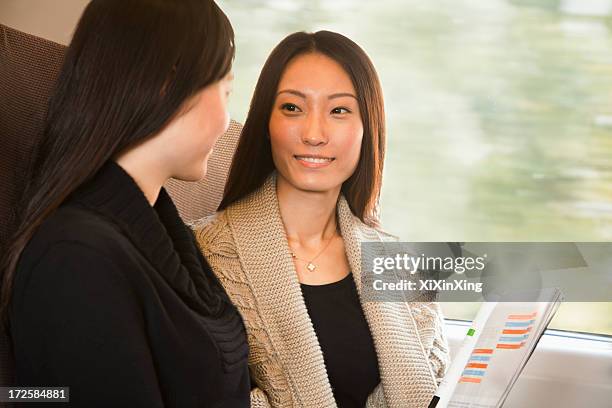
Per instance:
(253,159)
(128,71)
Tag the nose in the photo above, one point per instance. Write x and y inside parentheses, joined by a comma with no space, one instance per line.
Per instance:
(314,131)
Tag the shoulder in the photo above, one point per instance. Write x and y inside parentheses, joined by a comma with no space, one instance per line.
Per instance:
(385,236)
(71,272)
(372,233)
(213,235)
(81,227)
(74,240)
(209,221)
(349,221)
(215,239)
(76,252)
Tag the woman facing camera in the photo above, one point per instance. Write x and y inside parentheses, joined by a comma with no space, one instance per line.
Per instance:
(105,288)
(302,195)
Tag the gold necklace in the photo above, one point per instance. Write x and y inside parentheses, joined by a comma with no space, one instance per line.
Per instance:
(310,265)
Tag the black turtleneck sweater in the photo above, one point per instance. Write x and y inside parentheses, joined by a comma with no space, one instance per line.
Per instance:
(113,299)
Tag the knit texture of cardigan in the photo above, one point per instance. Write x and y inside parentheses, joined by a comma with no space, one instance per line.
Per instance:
(247,248)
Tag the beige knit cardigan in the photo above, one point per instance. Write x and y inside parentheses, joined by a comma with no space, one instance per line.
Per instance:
(247,248)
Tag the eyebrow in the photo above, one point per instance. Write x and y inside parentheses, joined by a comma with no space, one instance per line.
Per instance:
(303,96)
(340,95)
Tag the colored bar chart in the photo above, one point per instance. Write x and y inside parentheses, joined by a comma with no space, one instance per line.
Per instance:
(513,336)
(476,366)
(516,331)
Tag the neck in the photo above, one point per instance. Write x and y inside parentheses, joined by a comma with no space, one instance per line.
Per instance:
(146,172)
(309,217)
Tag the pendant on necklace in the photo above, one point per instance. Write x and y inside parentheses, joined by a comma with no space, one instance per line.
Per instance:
(311,267)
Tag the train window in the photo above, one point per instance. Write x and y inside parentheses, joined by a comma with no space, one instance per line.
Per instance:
(498,115)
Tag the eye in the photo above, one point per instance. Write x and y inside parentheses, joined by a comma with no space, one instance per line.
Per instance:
(340,110)
(289,107)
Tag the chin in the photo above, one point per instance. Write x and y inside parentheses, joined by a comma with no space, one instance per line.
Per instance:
(192,175)
(315,184)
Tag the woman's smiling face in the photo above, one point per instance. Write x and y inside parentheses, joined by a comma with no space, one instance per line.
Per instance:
(315,125)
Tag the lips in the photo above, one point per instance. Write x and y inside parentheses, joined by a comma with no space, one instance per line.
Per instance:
(314,161)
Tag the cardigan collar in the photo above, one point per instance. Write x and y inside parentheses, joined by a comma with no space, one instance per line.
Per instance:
(157,232)
(259,235)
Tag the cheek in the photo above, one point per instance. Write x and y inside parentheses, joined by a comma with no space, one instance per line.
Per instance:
(351,144)
(221,116)
(213,115)
(282,135)
(214,126)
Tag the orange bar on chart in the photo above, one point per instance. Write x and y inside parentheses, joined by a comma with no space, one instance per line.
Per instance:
(470,380)
(522,316)
(477,365)
(517,331)
(482,351)
(510,346)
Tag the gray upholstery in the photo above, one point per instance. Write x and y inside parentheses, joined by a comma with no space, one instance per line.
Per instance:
(28,68)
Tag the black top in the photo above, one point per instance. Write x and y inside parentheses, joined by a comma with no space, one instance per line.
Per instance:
(113,299)
(345,339)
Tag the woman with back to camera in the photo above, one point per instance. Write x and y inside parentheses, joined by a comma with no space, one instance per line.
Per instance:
(302,195)
(105,289)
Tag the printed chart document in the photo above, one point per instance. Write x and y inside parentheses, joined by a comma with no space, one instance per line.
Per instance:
(494,353)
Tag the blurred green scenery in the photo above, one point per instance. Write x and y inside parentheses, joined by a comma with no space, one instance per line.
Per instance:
(499,115)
